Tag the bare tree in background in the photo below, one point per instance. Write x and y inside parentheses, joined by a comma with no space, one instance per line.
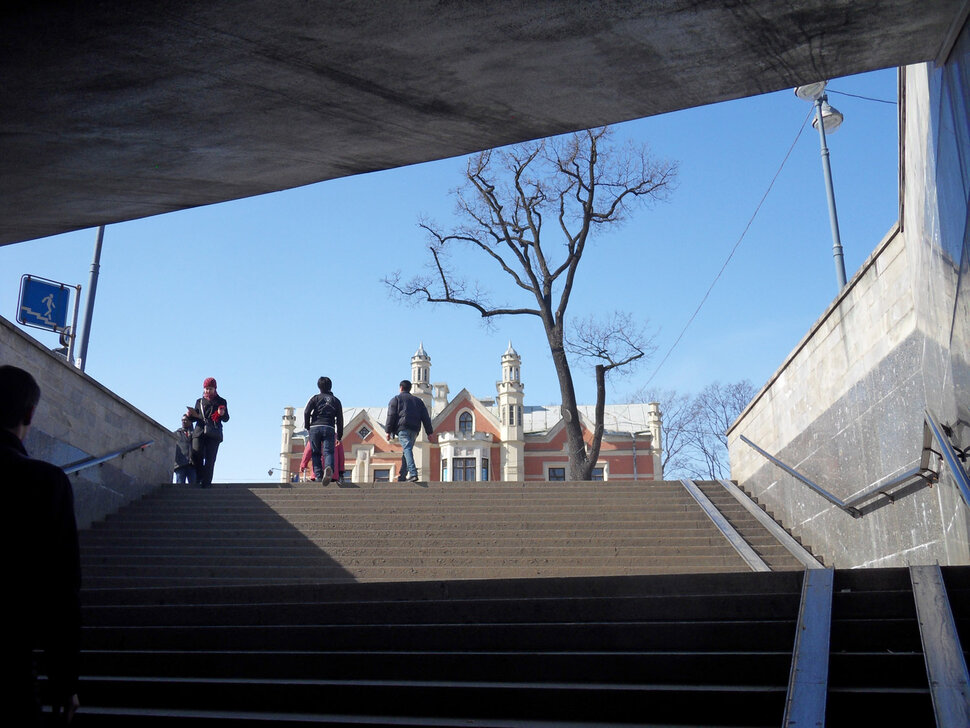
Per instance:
(580,183)
(611,345)
(694,428)
(716,408)
(676,411)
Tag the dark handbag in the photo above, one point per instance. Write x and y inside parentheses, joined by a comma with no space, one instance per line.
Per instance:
(212,431)
(209,428)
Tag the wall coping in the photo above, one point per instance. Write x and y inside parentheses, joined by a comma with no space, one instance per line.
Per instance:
(890,236)
(30,340)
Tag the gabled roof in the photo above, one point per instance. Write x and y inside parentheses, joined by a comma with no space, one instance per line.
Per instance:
(457,402)
(618,419)
(375,416)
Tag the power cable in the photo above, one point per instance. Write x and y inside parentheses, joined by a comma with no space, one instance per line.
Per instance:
(733,250)
(864,98)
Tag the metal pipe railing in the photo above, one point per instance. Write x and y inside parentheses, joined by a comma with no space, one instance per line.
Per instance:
(948,457)
(910,476)
(92,461)
(834,500)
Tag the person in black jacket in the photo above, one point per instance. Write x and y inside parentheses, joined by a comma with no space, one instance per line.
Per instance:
(209,413)
(323,418)
(184,466)
(44,579)
(405,415)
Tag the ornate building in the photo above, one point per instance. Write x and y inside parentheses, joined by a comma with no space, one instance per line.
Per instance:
(485,439)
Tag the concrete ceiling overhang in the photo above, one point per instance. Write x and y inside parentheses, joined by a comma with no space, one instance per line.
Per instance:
(115,110)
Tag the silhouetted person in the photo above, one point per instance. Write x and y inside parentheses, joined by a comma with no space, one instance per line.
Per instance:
(45,569)
(405,415)
(184,465)
(209,413)
(323,418)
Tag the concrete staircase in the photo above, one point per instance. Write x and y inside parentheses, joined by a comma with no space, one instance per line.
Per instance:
(307,534)
(408,605)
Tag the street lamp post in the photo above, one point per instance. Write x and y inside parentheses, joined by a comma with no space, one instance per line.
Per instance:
(826,119)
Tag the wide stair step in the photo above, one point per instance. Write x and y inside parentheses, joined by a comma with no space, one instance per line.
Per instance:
(703,650)
(502,606)
(391,532)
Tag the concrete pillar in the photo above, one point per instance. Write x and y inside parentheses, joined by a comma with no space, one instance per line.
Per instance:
(439,398)
(286,443)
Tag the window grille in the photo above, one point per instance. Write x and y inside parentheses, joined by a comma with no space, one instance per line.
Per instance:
(464,469)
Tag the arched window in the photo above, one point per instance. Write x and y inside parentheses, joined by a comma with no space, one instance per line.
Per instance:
(465,423)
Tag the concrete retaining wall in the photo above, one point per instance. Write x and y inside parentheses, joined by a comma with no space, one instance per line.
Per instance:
(78,418)
(846,408)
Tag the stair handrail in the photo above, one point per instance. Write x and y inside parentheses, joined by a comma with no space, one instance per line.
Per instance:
(90,462)
(947,454)
(912,475)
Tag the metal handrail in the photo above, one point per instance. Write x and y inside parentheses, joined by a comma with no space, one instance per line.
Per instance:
(911,476)
(947,456)
(90,462)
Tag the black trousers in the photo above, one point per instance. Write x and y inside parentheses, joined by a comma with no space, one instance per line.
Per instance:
(204,450)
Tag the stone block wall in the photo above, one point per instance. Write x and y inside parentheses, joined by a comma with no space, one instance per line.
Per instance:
(846,408)
(78,418)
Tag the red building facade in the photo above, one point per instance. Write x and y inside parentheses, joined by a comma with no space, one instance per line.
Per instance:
(485,439)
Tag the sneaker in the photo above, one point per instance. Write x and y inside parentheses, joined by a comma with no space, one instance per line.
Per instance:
(412,478)
(327,472)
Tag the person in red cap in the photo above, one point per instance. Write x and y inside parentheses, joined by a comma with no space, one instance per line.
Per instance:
(209,413)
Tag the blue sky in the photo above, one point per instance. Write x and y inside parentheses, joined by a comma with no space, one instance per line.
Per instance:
(294,278)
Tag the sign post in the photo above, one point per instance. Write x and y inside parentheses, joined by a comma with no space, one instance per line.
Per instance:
(44,303)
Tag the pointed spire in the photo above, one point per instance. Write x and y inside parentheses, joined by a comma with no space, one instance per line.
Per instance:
(510,351)
(421,352)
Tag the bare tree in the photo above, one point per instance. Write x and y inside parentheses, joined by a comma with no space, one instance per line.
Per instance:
(715,410)
(611,345)
(694,428)
(676,410)
(581,183)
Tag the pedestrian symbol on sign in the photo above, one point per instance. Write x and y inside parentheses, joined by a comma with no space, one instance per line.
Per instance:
(43,303)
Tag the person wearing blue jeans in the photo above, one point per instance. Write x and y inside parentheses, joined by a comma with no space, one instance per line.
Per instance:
(184,465)
(323,418)
(405,416)
(321,452)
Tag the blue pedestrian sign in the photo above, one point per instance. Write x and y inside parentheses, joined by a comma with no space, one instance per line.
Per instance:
(43,303)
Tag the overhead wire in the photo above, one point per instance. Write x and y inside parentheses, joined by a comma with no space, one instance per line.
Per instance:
(864,98)
(733,250)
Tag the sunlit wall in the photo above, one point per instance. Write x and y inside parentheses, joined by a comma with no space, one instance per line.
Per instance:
(846,408)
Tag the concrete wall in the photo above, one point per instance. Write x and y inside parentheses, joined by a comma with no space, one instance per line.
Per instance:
(79,418)
(846,408)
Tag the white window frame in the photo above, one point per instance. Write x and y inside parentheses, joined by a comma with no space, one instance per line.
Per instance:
(469,411)
(549,466)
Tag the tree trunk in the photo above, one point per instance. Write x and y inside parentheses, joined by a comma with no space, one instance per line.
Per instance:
(594,446)
(579,467)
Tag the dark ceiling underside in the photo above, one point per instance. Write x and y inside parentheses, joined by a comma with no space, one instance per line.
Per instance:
(118,110)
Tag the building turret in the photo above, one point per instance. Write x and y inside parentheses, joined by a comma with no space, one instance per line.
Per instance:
(510,398)
(655,426)
(286,444)
(421,376)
